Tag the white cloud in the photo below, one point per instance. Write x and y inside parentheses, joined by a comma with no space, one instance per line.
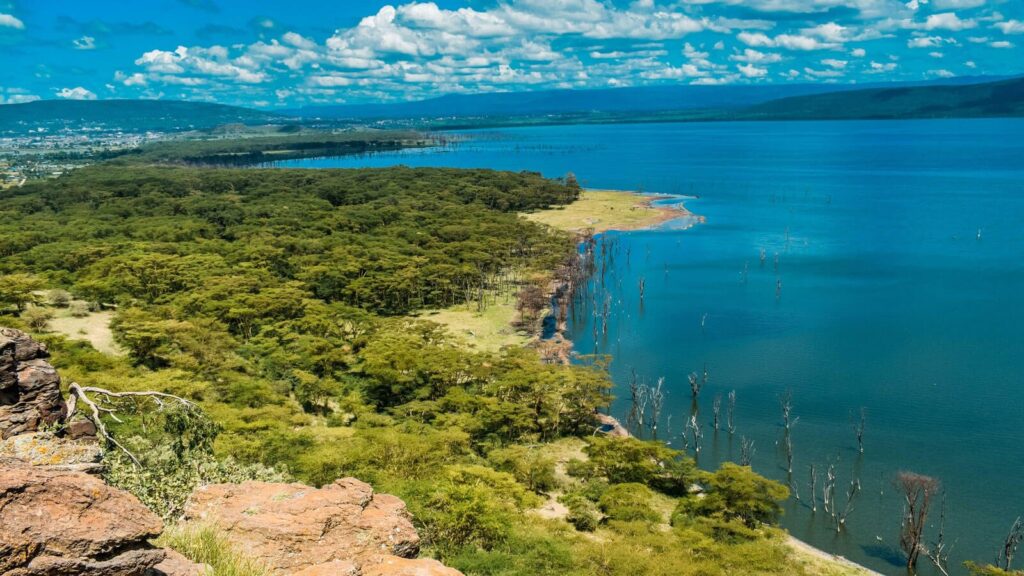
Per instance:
(797,42)
(298,41)
(833,63)
(957,4)
(970,64)
(878,68)
(924,42)
(9,21)
(751,56)
(136,79)
(941,73)
(1011,27)
(85,43)
(77,93)
(1002,44)
(755,39)
(751,71)
(947,21)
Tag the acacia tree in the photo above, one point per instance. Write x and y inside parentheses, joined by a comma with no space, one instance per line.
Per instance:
(919,492)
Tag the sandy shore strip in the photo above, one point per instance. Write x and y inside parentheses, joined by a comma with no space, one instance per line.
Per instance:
(850,568)
(603,210)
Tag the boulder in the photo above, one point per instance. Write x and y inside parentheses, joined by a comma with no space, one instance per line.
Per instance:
(30,395)
(343,528)
(177,565)
(60,523)
(48,450)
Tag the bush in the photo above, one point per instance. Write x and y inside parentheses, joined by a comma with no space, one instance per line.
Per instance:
(650,463)
(630,502)
(528,466)
(583,514)
(59,298)
(38,319)
(78,309)
(735,492)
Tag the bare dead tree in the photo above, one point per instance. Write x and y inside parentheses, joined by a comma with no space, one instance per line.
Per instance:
(634,399)
(858,430)
(100,402)
(814,488)
(716,412)
(786,402)
(747,451)
(657,397)
(695,431)
(938,553)
(1013,539)
(828,490)
(918,492)
(730,412)
(788,440)
(695,384)
(839,518)
(643,285)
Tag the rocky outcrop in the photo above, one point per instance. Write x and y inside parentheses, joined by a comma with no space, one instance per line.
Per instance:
(58,522)
(48,450)
(341,529)
(30,395)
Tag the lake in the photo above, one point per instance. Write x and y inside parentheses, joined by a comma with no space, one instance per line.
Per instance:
(897,290)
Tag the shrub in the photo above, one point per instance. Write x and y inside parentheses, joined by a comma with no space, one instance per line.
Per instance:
(78,309)
(59,298)
(736,492)
(528,466)
(630,502)
(38,319)
(650,463)
(583,514)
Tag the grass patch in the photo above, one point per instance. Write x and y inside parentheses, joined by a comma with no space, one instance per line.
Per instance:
(605,210)
(489,330)
(205,545)
(93,328)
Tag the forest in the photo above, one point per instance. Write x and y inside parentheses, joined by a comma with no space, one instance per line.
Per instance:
(280,303)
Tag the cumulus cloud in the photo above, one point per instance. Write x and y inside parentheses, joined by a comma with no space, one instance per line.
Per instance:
(1011,27)
(9,21)
(76,93)
(751,71)
(85,43)
(416,49)
(947,21)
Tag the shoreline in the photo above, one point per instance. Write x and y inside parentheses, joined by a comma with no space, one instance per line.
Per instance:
(558,348)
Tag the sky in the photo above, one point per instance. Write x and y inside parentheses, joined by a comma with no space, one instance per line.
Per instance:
(280,54)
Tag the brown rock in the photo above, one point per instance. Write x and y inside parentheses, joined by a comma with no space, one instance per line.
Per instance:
(177,565)
(29,386)
(394,566)
(57,522)
(342,528)
(45,449)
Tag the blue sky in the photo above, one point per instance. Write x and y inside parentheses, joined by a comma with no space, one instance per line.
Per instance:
(295,52)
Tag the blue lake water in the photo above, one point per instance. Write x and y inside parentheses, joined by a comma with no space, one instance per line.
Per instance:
(889,300)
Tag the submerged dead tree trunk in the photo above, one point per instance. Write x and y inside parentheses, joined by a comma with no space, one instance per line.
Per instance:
(918,492)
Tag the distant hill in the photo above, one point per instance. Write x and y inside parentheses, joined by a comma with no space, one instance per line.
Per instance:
(991,99)
(618,102)
(128,115)
(614,100)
